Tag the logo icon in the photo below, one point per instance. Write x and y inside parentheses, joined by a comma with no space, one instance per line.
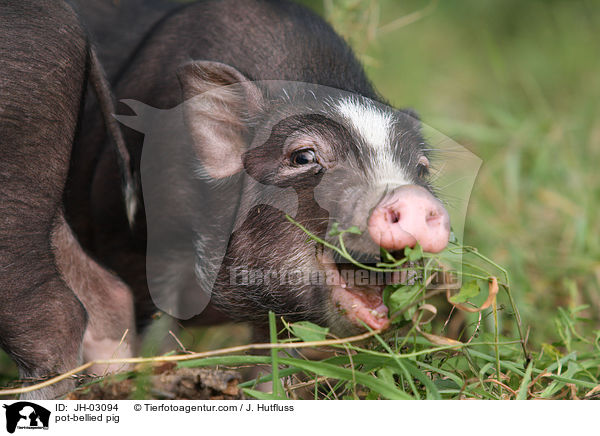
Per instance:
(26,415)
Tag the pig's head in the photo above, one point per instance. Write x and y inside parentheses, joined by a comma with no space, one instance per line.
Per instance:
(345,159)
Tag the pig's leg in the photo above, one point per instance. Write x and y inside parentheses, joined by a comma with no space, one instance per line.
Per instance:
(110,331)
(41,320)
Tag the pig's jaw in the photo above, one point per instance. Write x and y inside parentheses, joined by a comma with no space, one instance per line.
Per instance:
(359,304)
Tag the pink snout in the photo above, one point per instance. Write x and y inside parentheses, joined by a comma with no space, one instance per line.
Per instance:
(408,215)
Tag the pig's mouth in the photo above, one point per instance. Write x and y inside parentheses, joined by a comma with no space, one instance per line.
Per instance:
(353,293)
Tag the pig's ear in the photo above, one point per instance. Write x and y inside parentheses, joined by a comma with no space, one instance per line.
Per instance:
(219,102)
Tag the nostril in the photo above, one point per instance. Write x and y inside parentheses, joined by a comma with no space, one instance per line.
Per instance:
(407,216)
(393,216)
(432,216)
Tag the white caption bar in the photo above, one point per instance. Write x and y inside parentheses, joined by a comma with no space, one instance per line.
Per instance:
(296,417)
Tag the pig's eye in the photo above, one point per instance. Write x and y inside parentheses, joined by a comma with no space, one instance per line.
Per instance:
(303,157)
(423,166)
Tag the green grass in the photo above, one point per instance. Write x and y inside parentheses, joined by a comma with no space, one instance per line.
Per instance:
(415,360)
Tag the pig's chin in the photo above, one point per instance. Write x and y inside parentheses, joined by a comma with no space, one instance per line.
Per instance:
(357,304)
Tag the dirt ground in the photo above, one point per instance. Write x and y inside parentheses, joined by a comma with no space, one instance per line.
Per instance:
(165,382)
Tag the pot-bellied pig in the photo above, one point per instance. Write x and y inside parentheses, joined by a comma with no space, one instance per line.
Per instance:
(254,110)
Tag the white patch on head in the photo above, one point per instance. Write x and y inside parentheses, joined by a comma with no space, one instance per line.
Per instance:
(369,121)
(375,128)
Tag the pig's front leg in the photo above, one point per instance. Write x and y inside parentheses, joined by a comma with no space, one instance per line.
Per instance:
(110,331)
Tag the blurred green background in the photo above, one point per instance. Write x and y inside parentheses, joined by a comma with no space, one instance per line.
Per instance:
(517,83)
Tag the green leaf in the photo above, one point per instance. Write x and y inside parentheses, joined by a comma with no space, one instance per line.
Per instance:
(402,298)
(386,257)
(414,254)
(467,291)
(387,291)
(432,391)
(335,229)
(268,377)
(354,229)
(259,395)
(372,395)
(309,332)
(445,384)
(386,375)
(277,386)
(522,393)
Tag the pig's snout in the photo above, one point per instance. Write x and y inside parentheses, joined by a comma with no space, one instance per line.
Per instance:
(408,215)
